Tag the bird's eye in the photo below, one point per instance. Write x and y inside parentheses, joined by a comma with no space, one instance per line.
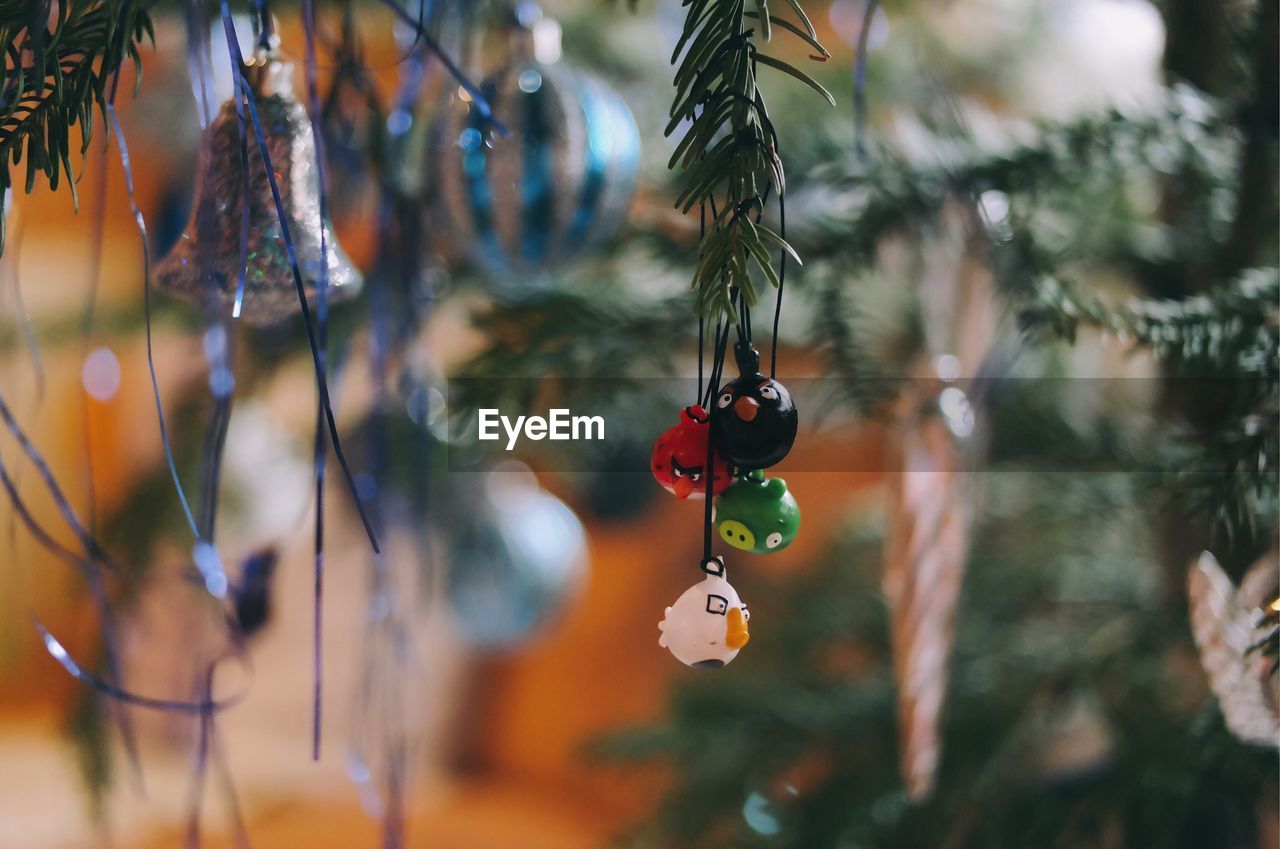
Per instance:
(677,471)
(695,477)
(773,540)
(717,604)
(725,399)
(746,614)
(768,392)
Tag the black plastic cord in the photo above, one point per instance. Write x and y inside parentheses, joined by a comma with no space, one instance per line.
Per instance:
(709,468)
(702,322)
(709,388)
(702,325)
(782,281)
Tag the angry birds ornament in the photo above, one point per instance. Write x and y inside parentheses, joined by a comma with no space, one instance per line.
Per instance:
(707,626)
(757,514)
(755,420)
(679,458)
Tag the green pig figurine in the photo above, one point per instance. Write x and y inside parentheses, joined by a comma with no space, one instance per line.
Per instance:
(757,514)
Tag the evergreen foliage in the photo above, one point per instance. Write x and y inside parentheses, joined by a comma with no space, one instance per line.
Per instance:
(62,62)
(729,151)
(1072,719)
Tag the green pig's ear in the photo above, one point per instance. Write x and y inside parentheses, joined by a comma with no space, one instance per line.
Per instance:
(776,487)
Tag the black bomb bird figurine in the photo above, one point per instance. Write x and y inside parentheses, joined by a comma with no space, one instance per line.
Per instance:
(755,420)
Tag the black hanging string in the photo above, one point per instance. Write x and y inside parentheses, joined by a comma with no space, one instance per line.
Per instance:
(769,128)
(744,320)
(782,281)
(708,389)
(702,322)
(709,468)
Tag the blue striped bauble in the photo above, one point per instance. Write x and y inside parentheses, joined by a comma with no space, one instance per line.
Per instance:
(558,184)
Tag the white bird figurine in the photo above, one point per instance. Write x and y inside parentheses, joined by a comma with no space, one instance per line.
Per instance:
(707,625)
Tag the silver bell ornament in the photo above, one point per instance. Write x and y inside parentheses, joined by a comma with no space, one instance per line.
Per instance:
(526,203)
(203,266)
(514,556)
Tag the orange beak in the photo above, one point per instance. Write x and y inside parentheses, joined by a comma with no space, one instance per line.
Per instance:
(684,487)
(736,634)
(746,408)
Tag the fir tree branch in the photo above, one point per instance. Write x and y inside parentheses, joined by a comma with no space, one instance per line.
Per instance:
(843,206)
(58,67)
(729,150)
(1233,331)
(1225,459)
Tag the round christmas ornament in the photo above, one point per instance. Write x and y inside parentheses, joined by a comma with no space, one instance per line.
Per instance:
(204,264)
(560,182)
(514,557)
(755,420)
(757,514)
(707,625)
(679,457)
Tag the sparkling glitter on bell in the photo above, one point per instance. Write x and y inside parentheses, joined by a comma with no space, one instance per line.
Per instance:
(204,265)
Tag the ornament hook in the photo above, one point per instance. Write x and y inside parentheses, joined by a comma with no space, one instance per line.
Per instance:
(714,566)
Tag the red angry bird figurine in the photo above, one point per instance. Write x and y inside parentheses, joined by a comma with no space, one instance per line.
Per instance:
(679,457)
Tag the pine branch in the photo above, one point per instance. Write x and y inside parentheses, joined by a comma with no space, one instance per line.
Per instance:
(1228,341)
(729,150)
(59,66)
(843,206)
(1233,331)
